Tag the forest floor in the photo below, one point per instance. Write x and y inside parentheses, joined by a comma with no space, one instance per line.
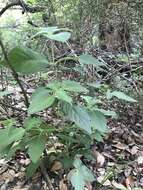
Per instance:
(118,160)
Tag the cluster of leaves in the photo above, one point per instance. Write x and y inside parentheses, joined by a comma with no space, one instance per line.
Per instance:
(82,120)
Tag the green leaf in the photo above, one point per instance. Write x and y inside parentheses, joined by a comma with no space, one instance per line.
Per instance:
(54,33)
(61,37)
(32,122)
(121,96)
(26,61)
(80,175)
(98,121)
(54,85)
(47,30)
(79,116)
(8,136)
(73,86)
(77,180)
(107,112)
(31,169)
(67,85)
(62,95)
(98,137)
(36,148)
(40,101)
(89,60)
(91,102)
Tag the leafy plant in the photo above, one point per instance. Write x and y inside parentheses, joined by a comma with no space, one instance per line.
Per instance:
(82,120)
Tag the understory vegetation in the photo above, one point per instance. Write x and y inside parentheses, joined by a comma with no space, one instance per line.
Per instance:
(71,92)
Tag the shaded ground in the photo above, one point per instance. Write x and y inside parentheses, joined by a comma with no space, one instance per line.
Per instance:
(119,160)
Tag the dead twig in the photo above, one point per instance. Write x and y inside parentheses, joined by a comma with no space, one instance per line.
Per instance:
(46,176)
(25,7)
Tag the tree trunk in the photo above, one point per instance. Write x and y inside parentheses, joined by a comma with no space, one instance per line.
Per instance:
(113,31)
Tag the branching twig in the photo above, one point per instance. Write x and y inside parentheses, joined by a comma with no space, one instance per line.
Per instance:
(14,74)
(25,7)
(46,176)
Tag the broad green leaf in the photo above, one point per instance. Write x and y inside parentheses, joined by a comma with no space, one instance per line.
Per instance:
(80,175)
(98,136)
(67,85)
(89,60)
(98,121)
(122,96)
(79,116)
(61,37)
(32,122)
(91,102)
(62,95)
(54,85)
(77,180)
(8,136)
(54,33)
(8,122)
(4,93)
(40,101)
(36,148)
(26,61)
(73,86)
(47,30)
(31,169)
(107,112)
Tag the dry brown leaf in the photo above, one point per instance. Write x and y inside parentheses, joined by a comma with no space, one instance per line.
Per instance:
(120,146)
(128,171)
(134,150)
(100,159)
(57,165)
(140,160)
(118,185)
(109,156)
(129,181)
(101,179)
(62,185)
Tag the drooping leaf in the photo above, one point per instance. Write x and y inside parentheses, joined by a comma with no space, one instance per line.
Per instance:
(32,122)
(31,169)
(80,175)
(26,61)
(61,37)
(98,121)
(54,33)
(87,59)
(54,85)
(107,112)
(47,30)
(73,86)
(8,136)
(40,101)
(62,95)
(91,102)
(67,85)
(121,96)
(78,115)
(77,180)
(36,148)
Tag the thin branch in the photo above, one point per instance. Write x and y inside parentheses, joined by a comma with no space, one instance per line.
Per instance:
(25,7)
(14,74)
(46,176)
